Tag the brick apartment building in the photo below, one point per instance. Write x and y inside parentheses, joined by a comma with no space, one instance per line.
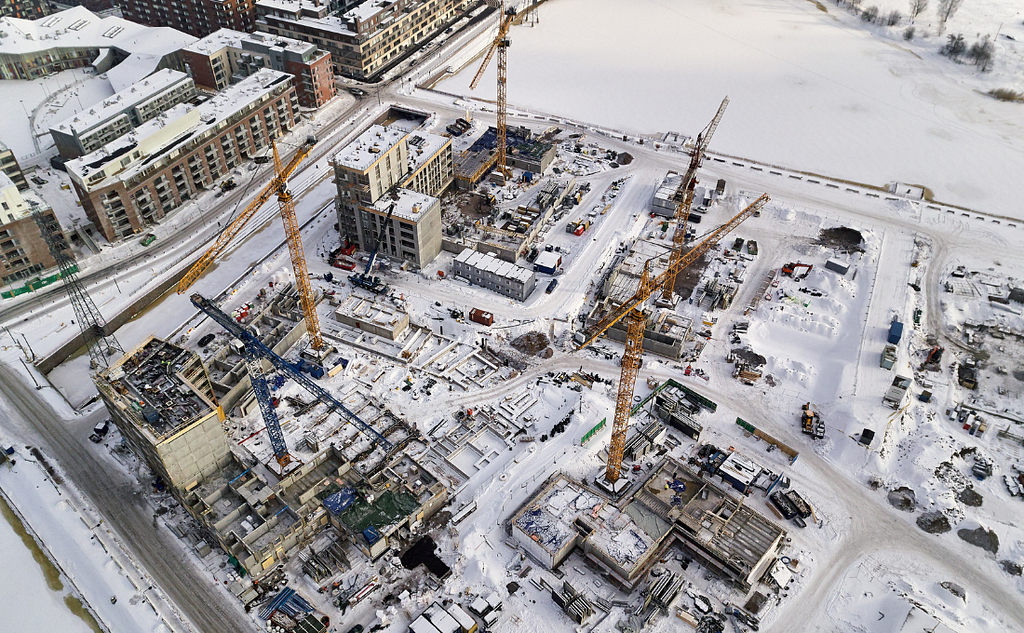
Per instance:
(23,252)
(195,17)
(226,55)
(365,38)
(137,179)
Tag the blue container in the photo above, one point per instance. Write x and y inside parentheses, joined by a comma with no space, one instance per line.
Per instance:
(895,332)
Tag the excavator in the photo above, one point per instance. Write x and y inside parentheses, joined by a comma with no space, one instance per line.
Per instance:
(790,269)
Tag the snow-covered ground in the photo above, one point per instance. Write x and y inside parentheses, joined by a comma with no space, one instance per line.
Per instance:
(44,102)
(810,89)
(91,563)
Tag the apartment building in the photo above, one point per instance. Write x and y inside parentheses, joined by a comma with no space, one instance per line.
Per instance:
(134,181)
(195,17)
(25,9)
(485,269)
(226,56)
(385,167)
(9,165)
(364,39)
(77,38)
(23,251)
(115,116)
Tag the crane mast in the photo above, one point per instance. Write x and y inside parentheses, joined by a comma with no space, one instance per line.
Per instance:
(278,186)
(636,320)
(500,44)
(683,197)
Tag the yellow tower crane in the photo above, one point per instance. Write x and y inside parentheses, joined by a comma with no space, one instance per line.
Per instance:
(683,197)
(278,185)
(500,44)
(636,319)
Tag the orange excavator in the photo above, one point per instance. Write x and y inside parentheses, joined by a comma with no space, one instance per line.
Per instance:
(790,269)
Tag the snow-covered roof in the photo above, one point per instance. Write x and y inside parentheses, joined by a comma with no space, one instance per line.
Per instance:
(548,259)
(740,468)
(183,121)
(409,205)
(423,146)
(330,23)
(123,100)
(80,28)
(216,41)
(490,263)
(224,38)
(363,152)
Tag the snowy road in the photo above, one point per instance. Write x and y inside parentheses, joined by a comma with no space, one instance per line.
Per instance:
(207,605)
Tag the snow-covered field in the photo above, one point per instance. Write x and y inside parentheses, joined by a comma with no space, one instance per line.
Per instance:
(810,89)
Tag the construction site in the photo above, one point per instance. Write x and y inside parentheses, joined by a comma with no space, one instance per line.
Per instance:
(499,371)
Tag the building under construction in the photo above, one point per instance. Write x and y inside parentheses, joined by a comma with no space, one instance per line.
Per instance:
(666,331)
(161,400)
(675,507)
(345,496)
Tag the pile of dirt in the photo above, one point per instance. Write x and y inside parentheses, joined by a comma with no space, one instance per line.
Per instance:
(841,238)
(903,498)
(1010,567)
(547,352)
(688,279)
(969,497)
(749,356)
(980,537)
(530,343)
(934,522)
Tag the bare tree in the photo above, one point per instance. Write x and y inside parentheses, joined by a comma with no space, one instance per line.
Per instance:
(917,7)
(947,8)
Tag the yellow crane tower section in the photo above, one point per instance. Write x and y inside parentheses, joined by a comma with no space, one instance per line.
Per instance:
(500,44)
(633,311)
(683,197)
(278,185)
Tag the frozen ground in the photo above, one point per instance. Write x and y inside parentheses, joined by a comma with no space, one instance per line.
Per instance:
(811,90)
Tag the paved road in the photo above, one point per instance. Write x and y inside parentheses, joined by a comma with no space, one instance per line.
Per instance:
(207,605)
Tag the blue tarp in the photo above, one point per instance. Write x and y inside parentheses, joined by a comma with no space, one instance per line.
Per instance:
(371,535)
(339,501)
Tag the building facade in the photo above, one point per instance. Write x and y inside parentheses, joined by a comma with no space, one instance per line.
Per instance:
(9,166)
(25,9)
(196,17)
(364,39)
(135,180)
(225,56)
(389,169)
(484,269)
(77,38)
(115,116)
(23,251)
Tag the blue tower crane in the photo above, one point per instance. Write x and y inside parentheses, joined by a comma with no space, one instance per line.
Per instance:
(255,351)
(365,280)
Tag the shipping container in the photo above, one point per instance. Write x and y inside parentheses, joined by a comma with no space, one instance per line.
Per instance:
(476,315)
(895,332)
